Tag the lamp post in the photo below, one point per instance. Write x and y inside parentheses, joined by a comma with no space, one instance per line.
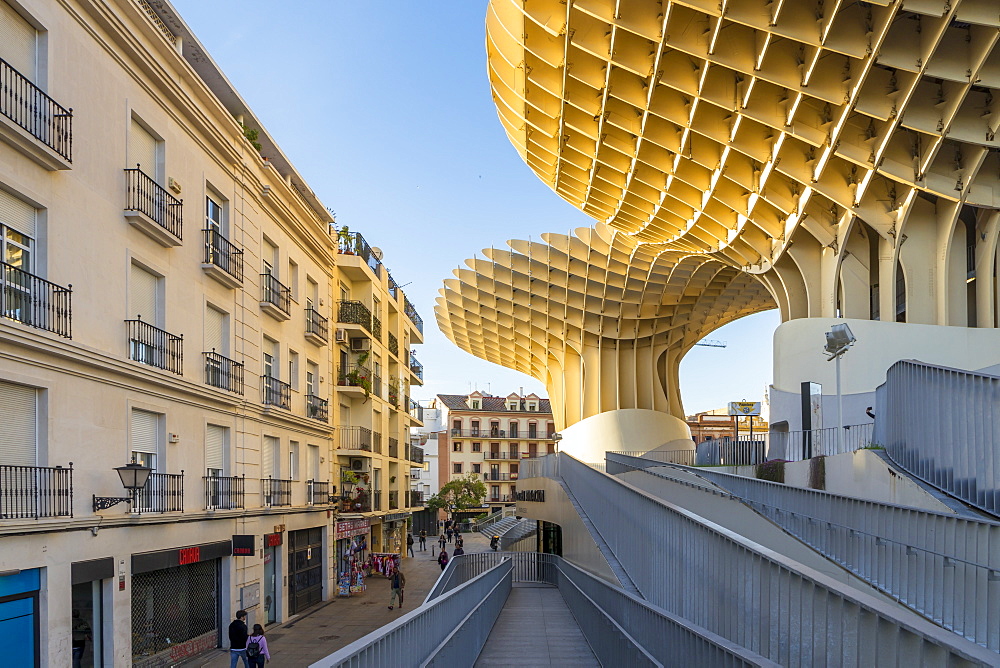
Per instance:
(133,476)
(838,340)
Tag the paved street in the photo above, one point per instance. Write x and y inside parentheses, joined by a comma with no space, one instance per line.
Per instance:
(340,621)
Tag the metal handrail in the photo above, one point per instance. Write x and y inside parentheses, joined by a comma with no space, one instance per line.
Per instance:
(32,492)
(317,408)
(35,112)
(316,324)
(276,293)
(219,251)
(224,492)
(275,492)
(153,346)
(224,373)
(35,301)
(355,438)
(145,195)
(275,392)
(163,493)
(317,492)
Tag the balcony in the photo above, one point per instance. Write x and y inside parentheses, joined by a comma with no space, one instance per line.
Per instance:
(153,210)
(393,287)
(393,500)
(352,504)
(155,347)
(376,328)
(223,261)
(377,442)
(393,344)
(351,312)
(394,447)
(275,393)
(275,298)
(317,409)
(33,122)
(411,313)
(35,302)
(355,438)
(355,376)
(417,369)
(393,395)
(275,492)
(377,385)
(33,492)
(223,373)
(163,493)
(501,455)
(317,327)
(317,493)
(352,243)
(416,499)
(224,492)
(377,500)
(417,455)
(497,476)
(505,498)
(416,411)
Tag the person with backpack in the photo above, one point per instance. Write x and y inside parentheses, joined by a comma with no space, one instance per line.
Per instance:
(257,651)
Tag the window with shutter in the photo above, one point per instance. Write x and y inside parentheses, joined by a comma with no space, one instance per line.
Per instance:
(268,457)
(18,425)
(143,150)
(145,437)
(18,42)
(215,331)
(215,444)
(293,460)
(17,231)
(142,293)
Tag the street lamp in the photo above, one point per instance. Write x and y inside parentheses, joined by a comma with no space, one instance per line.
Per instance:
(838,340)
(134,477)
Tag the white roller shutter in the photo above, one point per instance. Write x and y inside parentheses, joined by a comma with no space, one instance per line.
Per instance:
(142,150)
(215,443)
(18,41)
(17,214)
(142,291)
(268,451)
(215,332)
(145,431)
(18,425)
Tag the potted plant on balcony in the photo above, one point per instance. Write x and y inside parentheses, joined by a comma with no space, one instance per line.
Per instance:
(346,239)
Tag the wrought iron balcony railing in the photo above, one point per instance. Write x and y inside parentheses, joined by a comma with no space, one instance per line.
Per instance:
(316,408)
(34,301)
(163,493)
(498,476)
(31,492)
(154,346)
(275,492)
(275,393)
(411,313)
(274,292)
(224,492)
(355,438)
(223,254)
(355,313)
(499,454)
(317,493)
(317,325)
(35,112)
(223,373)
(148,197)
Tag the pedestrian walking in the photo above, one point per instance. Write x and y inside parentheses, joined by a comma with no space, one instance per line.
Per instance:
(423,540)
(409,543)
(238,640)
(458,551)
(459,542)
(443,558)
(441,541)
(397,581)
(257,650)
(448,533)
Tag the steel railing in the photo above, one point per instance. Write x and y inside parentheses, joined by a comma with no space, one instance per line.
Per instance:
(377,442)
(354,375)
(154,346)
(411,313)
(500,455)
(223,373)
(940,424)
(350,504)
(685,457)
(728,452)
(317,492)
(145,195)
(35,301)
(32,492)
(355,438)
(35,112)
(499,476)
(938,564)
(317,325)
(275,492)
(163,493)
(760,599)
(317,408)
(224,492)
(798,445)
(223,254)
(275,392)
(276,293)
(416,368)
(355,313)
(416,454)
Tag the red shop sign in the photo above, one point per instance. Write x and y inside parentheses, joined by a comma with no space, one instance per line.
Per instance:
(189,555)
(272,540)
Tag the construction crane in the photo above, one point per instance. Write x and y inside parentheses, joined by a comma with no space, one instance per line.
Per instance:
(711,343)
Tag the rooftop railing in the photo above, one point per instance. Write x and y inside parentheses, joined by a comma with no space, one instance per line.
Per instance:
(353,243)
(393,287)
(33,492)
(34,301)
(35,112)
(154,346)
(145,195)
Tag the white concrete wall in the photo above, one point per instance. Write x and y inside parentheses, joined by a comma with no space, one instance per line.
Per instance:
(631,429)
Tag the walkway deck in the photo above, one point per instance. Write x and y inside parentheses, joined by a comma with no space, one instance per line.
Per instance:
(536,628)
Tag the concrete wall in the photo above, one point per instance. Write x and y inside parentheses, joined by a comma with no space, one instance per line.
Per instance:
(631,429)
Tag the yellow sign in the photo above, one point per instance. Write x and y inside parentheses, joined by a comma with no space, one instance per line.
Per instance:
(744,408)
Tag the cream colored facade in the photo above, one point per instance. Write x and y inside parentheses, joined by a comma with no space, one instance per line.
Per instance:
(831,161)
(207,336)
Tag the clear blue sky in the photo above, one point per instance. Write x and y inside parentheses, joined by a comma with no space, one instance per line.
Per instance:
(384,107)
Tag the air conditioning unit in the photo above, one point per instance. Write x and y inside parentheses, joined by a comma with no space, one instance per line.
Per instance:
(360,345)
(340,336)
(358,464)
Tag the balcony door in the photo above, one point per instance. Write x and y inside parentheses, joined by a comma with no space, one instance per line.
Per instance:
(17,234)
(18,443)
(144,150)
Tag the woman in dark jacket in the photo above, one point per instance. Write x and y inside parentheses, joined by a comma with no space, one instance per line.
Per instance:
(443,559)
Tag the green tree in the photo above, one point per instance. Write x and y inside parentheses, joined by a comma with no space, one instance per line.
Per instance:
(463,493)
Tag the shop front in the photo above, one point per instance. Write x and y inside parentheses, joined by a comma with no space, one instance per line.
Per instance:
(272,576)
(305,569)
(19,617)
(352,555)
(90,580)
(175,603)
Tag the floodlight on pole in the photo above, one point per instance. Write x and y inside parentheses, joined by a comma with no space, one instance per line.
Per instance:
(838,340)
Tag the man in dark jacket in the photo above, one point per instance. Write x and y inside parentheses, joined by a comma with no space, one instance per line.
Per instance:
(238,640)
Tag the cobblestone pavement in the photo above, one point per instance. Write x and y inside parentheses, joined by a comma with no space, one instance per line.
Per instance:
(338,622)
